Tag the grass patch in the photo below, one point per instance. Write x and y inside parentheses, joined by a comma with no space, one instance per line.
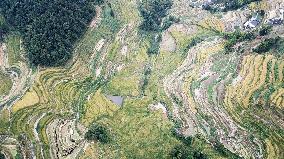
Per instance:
(4,121)
(5,84)
(13,41)
(98,106)
(29,99)
(138,133)
(107,29)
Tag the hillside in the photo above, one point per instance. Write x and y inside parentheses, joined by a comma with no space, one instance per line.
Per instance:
(180,79)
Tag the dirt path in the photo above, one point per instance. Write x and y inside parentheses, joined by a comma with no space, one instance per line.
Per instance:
(97,19)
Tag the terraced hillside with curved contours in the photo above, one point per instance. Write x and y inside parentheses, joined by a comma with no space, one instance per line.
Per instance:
(198,83)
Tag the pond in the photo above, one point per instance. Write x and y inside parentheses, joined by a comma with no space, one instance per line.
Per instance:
(118,100)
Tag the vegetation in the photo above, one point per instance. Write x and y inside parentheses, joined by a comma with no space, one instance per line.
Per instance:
(13,42)
(279,47)
(154,44)
(181,152)
(4,28)
(265,30)
(98,133)
(224,152)
(4,121)
(169,21)
(194,148)
(147,74)
(140,128)
(153,11)
(49,28)
(5,84)
(228,5)
(184,151)
(267,45)
(2,156)
(98,2)
(235,37)
(194,42)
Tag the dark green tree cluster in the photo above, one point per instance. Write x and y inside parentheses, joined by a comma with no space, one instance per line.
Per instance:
(99,2)
(169,21)
(236,4)
(235,37)
(186,150)
(154,44)
(2,156)
(49,28)
(228,5)
(192,147)
(98,133)
(194,42)
(146,77)
(223,151)
(4,28)
(265,30)
(153,12)
(267,45)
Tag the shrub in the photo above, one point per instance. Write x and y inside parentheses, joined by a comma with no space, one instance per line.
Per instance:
(147,74)
(169,21)
(219,147)
(279,46)
(185,140)
(227,5)
(4,28)
(98,133)
(2,156)
(99,2)
(181,152)
(194,42)
(154,44)
(186,152)
(153,11)
(265,30)
(235,37)
(267,45)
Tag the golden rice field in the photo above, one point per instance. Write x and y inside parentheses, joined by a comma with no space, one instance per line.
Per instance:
(253,74)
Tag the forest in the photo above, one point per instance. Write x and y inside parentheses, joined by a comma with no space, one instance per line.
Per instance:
(49,28)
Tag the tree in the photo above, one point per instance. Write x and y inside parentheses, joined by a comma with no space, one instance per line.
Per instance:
(235,37)
(227,5)
(153,11)
(97,132)
(199,155)
(2,156)
(265,30)
(267,45)
(181,152)
(99,2)
(186,152)
(49,28)
(4,28)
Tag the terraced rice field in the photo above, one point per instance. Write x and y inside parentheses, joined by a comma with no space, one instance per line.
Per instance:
(192,87)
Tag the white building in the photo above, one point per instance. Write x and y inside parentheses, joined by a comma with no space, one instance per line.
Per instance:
(252,23)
